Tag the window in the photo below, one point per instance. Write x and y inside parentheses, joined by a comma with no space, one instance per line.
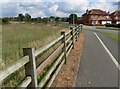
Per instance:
(116,17)
(94,16)
(94,22)
(107,17)
(103,17)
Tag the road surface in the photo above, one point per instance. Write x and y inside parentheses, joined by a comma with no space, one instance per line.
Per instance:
(110,31)
(97,69)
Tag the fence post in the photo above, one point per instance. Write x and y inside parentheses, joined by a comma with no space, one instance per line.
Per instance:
(30,67)
(72,33)
(76,33)
(81,27)
(79,31)
(75,36)
(64,49)
(1,85)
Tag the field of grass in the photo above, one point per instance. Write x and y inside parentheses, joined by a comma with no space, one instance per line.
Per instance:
(18,36)
(0,45)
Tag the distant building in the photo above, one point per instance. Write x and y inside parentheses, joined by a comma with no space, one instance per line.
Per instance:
(96,17)
(116,17)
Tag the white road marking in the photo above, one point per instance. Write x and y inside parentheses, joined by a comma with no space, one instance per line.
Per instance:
(110,54)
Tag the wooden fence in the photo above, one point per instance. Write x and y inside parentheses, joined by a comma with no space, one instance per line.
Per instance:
(29,61)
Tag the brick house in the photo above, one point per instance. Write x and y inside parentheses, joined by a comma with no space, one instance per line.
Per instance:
(96,17)
(115,17)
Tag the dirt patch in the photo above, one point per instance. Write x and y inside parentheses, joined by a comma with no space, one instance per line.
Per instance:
(67,75)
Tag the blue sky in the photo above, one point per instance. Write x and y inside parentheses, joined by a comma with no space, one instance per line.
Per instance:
(61,8)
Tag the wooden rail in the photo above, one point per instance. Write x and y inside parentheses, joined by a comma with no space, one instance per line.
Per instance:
(33,72)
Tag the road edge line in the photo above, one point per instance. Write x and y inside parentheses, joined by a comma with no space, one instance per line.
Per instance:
(110,54)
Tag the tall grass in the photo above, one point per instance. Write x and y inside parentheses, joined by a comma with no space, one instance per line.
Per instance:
(18,36)
(0,46)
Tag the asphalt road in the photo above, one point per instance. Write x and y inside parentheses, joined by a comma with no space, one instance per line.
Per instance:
(110,31)
(103,30)
(96,67)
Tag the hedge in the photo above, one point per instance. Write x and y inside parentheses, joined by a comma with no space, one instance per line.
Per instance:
(112,25)
(5,21)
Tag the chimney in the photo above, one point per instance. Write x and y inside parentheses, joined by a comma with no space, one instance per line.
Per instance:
(87,11)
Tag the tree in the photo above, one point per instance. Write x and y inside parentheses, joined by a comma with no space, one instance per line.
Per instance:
(65,19)
(45,20)
(72,18)
(57,20)
(21,17)
(27,17)
(52,17)
(5,20)
(39,19)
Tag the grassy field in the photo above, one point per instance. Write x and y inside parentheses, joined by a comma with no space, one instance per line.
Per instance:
(18,36)
(0,43)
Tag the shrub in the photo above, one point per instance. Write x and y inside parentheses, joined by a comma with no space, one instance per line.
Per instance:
(5,21)
(118,25)
(112,25)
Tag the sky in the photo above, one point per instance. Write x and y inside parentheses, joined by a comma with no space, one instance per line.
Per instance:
(60,8)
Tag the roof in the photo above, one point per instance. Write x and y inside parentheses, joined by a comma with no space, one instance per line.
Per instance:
(116,13)
(96,11)
(102,18)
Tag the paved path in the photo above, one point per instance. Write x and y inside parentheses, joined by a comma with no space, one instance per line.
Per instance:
(96,67)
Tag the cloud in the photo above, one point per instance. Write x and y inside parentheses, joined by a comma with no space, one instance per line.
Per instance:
(44,8)
(53,8)
(10,9)
(103,6)
(116,0)
(54,11)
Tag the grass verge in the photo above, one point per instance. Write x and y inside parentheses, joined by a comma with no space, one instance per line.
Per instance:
(115,37)
(107,28)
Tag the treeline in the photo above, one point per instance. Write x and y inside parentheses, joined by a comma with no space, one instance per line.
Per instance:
(72,19)
(27,18)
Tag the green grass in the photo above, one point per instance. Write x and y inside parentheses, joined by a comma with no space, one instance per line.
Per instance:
(0,45)
(115,37)
(107,28)
(18,36)
(112,28)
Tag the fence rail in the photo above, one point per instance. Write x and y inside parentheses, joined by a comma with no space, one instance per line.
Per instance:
(56,59)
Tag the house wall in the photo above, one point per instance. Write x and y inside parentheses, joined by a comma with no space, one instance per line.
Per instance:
(94,16)
(85,19)
(104,22)
(115,19)
(118,22)
(96,19)
(95,22)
